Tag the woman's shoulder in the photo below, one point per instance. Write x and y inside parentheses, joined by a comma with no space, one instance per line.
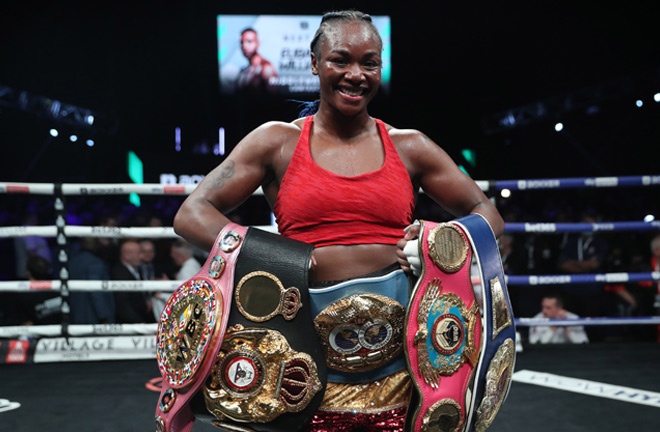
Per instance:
(410,141)
(272,134)
(271,143)
(281,127)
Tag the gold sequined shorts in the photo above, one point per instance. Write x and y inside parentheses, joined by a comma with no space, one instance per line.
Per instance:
(390,392)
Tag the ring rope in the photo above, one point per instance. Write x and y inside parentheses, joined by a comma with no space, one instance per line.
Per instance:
(182,189)
(55,330)
(619,277)
(100,188)
(172,285)
(98,231)
(168,232)
(91,285)
(577,182)
(545,227)
(588,321)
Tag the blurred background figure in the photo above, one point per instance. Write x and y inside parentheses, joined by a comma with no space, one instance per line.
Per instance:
(585,253)
(28,246)
(514,262)
(552,307)
(523,300)
(90,307)
(44,306)
(183,256)
(648,292)
(150,266)
(162,247)
(34,307)
(151,269)
(108,246)
(132,306)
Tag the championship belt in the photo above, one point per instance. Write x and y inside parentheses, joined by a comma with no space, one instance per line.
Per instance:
(360,326)
(269,374)
(459,338)
(191,329)
(219,361)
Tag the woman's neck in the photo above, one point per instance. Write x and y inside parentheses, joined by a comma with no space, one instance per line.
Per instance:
(348,127)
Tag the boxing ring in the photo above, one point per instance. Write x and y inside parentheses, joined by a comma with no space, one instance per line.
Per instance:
(100,360)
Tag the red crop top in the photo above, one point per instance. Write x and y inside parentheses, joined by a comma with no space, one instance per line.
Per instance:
(323,208)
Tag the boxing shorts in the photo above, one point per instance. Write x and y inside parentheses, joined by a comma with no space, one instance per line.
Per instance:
(459,337)
(235,344)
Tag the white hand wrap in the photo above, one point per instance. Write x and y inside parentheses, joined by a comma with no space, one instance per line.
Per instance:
(416,222)
(412,254)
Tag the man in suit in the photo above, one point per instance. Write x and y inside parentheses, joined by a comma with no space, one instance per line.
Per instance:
(132,306)
(151,269)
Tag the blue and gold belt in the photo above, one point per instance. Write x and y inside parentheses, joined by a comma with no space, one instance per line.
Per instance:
(360,325)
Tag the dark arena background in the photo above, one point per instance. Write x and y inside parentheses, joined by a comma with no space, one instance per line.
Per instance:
(459,73)
(556,102)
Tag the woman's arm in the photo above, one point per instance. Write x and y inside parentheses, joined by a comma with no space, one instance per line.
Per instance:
(203,213)
(442,180)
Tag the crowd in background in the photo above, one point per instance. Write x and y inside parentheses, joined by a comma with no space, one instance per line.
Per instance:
(99,258)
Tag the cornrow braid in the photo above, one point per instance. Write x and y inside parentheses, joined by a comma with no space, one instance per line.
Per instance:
(339,16)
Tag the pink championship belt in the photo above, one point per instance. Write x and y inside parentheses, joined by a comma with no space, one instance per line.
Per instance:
(460,345)
(191,330)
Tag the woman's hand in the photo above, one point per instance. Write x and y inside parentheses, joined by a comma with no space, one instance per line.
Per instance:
(407,251)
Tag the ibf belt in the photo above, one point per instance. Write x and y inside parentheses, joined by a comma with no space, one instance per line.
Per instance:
(360,325)
(191,329)
(269,373)
(459,338)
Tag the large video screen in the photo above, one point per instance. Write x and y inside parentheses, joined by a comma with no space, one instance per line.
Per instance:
(282,42)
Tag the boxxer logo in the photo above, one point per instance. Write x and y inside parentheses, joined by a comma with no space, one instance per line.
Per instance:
(169,178)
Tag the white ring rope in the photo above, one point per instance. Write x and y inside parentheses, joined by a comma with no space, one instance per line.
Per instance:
(54,330)
(172,285)
(182,189)
(587,321)
(91,285)
(168,232)
(101,188)
(98,231)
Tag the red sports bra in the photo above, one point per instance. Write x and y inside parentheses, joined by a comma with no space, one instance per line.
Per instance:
(323,208)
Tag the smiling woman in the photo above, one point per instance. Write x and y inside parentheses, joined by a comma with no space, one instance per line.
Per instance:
(346,183)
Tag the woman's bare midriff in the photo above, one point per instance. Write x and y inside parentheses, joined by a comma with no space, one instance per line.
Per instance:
(343,262)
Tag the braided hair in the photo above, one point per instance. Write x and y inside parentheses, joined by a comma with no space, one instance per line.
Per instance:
(331,18)
(328,20)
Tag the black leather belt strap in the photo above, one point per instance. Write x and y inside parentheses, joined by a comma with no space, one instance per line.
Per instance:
(268,258)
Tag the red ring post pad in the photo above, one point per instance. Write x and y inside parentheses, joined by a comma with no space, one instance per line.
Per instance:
(459,338)
(191,329)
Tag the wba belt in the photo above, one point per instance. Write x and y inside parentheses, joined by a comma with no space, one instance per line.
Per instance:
(459,338)
(234,344)
(360,326)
